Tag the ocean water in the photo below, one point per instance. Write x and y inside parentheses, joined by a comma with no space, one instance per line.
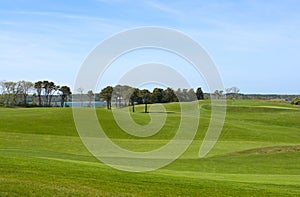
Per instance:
(81,104)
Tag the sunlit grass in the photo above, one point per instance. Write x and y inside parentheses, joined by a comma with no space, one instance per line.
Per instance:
(257,154)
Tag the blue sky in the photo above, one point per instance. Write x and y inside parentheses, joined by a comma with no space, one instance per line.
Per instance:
(255,44)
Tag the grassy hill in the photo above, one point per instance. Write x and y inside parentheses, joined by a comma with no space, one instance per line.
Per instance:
(258,154)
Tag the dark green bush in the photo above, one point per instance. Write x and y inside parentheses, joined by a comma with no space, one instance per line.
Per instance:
(296,101)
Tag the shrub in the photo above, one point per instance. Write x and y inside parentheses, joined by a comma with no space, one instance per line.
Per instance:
(296,101)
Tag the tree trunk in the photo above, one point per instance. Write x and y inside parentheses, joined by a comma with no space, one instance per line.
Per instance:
(40,100)
(25,99)
(46,100)
(62,102)
(50,98)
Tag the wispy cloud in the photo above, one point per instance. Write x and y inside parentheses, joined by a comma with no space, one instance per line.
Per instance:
(59,34)
(163,7)
(59,15)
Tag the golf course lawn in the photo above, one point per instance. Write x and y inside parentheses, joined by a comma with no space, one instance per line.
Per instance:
(257,154)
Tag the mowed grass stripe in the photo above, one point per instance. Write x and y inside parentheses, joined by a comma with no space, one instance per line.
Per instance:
(70,176)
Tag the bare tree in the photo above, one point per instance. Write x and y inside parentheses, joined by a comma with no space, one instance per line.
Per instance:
(90,95)
(80,90)
(2,89)
(218,94)
(25,87)
(126,93)
(233,90)
(11,91)
(191,95)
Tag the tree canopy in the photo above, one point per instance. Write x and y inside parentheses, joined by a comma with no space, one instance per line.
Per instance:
(17,93)
(106,94)
(132,96)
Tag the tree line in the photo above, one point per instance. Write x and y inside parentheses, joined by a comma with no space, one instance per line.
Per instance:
(16,93)
(123,95)
(41,94)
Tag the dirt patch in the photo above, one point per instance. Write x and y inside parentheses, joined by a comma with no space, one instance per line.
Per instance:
(269,150)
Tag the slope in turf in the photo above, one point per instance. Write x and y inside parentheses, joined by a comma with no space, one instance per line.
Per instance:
(257,154)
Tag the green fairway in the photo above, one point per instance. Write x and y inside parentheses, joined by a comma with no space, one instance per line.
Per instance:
(258,154)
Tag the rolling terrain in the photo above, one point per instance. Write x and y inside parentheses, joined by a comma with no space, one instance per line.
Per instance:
(258,153)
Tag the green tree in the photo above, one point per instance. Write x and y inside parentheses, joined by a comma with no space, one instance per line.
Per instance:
(169,95)
(157,95)
(39,86)
(49,89)
(45,86)
(134,97)
(106,94)
(296,101)
(145,95)
(65,92)
(199,94)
